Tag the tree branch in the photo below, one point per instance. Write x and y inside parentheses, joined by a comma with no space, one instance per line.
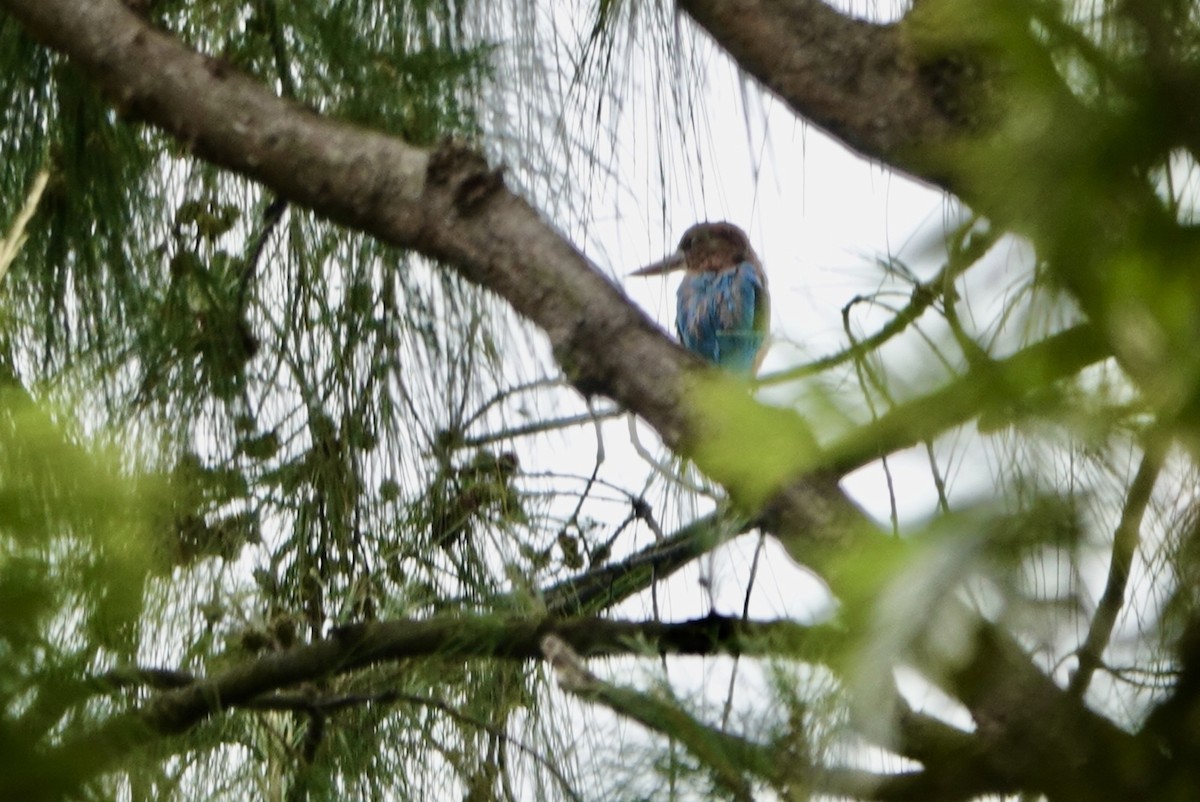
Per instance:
(368,644)
(989,387)
(860,82)
(1125,543)
(967,249)
(1034,733)
(729,756)
(601,588)
(446,204)
(958,772)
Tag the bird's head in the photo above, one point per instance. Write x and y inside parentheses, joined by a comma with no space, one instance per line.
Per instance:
(705,247)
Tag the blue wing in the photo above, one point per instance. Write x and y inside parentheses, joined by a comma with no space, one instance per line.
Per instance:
(722,316)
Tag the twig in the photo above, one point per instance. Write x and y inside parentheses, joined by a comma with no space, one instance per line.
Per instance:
(1125,543)
(963,254)
(979,389)
(332,704)
(727,755)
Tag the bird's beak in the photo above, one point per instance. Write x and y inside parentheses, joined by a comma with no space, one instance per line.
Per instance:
(673,262)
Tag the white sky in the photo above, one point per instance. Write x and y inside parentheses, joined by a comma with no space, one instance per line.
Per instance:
(818,215)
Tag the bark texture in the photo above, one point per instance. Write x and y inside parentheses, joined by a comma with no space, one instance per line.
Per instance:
(864,83)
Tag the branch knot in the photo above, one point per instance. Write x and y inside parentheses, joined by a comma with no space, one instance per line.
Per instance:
(466,172)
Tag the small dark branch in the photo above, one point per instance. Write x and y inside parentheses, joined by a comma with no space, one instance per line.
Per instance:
(644,512)
(134,677)
(565,537)
(270,219)
(1125,544)
(601,588)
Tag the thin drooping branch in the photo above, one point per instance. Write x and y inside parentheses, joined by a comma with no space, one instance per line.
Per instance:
(304,702)
(729,756)
(788,767)
(1125,543)
(967,248)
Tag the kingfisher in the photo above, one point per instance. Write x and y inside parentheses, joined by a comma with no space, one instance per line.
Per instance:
(722,307)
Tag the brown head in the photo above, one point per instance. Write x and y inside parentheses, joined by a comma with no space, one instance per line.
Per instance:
(706,247)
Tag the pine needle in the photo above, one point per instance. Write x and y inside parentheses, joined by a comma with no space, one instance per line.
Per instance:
(10,246)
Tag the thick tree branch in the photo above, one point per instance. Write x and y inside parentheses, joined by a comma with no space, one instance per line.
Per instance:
(1036,735)
(363,645)
(958,765)
(446,204)
(859,81)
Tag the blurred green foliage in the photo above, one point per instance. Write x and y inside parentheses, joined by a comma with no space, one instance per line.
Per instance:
(728,418)
(75,554)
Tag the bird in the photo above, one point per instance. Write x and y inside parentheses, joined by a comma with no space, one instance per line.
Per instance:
(723,309)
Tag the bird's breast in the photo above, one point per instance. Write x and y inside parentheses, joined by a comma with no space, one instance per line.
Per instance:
(716,315)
